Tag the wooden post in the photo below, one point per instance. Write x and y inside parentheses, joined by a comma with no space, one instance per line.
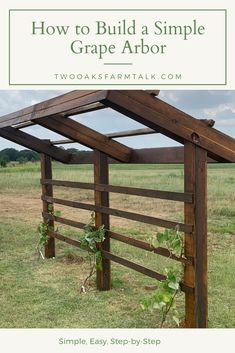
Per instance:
(47,190)
(189,218)
(195,179)
(101,176)
(201,281)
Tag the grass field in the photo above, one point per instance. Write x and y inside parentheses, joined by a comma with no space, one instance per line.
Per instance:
(37,293)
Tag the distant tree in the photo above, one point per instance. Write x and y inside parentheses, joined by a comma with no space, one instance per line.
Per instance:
(3,163)
(12,155)
(9,154)
(73,150)
(22,160)
(28,155)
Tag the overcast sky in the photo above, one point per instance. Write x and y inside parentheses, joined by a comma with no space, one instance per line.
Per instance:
(217,105)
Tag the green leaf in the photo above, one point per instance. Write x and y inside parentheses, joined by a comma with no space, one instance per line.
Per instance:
(98,258)
(50,207)
(165,287)
(164,298)
(167,297)
(170,275)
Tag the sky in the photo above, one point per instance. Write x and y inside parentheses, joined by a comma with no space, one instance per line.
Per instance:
(203,104)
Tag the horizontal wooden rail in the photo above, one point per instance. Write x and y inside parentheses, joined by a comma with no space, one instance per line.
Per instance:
(165,195)
(133,266)
(129,133)
(122,238)
(65,239)
(141,269)
(148,247)
(160,155)
(70,184)
(121,261)
(62,220)
(24,125)
(124,214)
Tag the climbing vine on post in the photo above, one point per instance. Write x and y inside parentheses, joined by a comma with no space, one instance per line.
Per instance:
(43,237)
(164,298)
(90,240)
(43,230)
(172,239)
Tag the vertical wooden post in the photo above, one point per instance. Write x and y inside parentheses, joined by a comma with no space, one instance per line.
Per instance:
(201,273)
(189,218)
(101,176)
(195,178)
(46,173)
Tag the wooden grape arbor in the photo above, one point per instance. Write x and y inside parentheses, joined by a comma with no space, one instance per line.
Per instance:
(201,144)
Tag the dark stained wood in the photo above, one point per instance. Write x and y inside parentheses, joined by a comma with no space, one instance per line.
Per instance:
(46,172)
(107,255)
(65,104)
(196,243)
(137,132)
(124,214)
(185,288)
(148,247)
(158,155)
(164,155)
(141,269)
(169,155)
(189,239)
(74,158)
(101,175)
(85,157)
(123,238)
(85,109)
(76,111)
(56,235)
(133,266)
(165,195)
(63,220)
(201,282)
(34,143)
(88,137)
(115,258)
(156,114)
(70,184)
(200,140)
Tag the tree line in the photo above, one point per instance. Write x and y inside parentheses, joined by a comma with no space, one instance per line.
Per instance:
(8,155)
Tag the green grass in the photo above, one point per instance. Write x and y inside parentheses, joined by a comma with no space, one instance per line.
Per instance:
(37,293)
